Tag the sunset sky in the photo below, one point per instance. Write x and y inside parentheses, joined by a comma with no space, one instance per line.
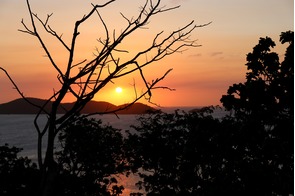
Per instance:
(200,75)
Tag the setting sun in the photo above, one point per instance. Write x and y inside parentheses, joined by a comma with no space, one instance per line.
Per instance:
(119,90)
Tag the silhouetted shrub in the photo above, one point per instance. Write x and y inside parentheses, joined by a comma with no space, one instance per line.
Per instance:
(18,175)
(195,154)
(90,156)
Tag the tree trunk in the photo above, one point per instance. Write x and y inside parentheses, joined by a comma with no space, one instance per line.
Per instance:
(49,169)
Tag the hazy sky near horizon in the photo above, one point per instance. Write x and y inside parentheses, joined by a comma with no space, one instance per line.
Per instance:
(200,75)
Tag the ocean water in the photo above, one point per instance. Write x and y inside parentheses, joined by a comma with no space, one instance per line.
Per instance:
(19,130)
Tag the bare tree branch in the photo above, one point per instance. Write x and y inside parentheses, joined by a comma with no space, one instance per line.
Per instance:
(86,78)
(21,94)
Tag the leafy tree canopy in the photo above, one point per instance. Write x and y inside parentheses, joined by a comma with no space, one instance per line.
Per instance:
(89,158)
(18,175)
(268,93)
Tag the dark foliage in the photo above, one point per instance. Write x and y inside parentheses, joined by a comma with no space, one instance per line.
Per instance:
(268,93)
(18,176)
(265,104)
(91,155)
(195,154)
(176,152)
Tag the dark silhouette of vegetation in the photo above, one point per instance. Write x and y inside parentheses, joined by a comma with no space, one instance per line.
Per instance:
(179,154)
(196,154)
(90,157)
(18,175)
(268,93)
(265,106)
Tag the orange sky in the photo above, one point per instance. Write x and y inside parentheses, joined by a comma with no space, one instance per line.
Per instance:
(200,75)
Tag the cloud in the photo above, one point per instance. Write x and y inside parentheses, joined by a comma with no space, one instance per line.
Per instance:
(216,53)
(195,55)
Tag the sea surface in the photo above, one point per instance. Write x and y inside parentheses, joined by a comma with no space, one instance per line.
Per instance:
(19,130)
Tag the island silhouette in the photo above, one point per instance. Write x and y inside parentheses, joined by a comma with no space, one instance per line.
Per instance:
(21,106)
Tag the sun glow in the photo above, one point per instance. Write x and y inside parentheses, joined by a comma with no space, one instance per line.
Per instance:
(119,90)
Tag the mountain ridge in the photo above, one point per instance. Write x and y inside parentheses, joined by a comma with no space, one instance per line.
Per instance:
(21,106)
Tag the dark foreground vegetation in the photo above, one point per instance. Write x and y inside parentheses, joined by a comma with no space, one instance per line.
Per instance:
(249,152)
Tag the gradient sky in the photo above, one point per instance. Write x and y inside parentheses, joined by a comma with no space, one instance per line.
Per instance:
(200,75)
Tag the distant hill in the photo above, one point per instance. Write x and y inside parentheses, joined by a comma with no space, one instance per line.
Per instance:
(21,106)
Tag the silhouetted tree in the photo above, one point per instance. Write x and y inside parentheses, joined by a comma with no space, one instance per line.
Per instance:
(84,79)
(268,93)
(196,154)
(177,153)
(90,157)
(18,175)
(265,106)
